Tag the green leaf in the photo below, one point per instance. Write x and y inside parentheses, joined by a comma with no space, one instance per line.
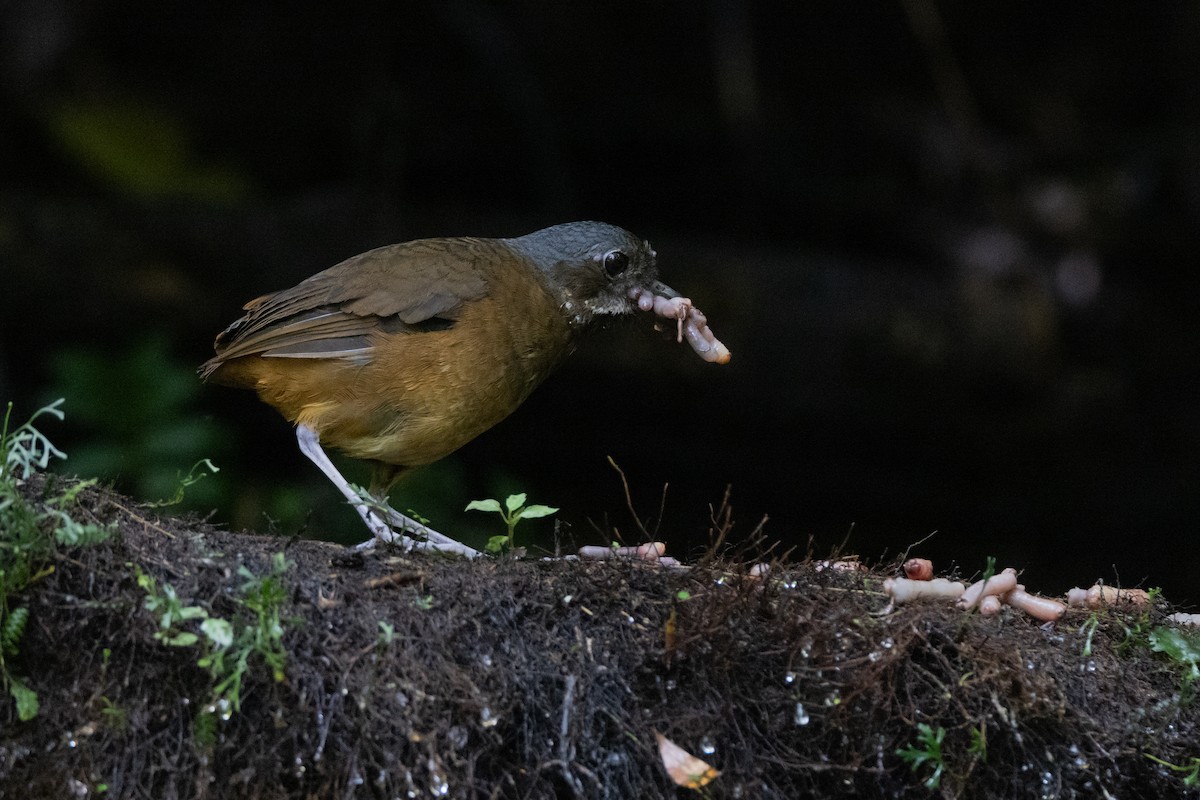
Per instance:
(532,512)
(484,505)
(185,639)
(27,699)
(218,630)
(496,544)
(515,501)
(192,612)
(12,630)
(1179,647)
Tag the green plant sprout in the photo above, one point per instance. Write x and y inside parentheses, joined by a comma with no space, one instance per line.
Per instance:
(513,511)
(978,746)
(930,752)
(1089,629)
(29,536)
(193,477)
(27,448)
(989,569)
(1137,634)
(1191,769)
(228,645)
(1183,650)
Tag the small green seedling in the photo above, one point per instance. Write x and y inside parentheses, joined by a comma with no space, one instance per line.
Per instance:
(227,644)
(30,533)
(930,752)
(1191,769)
(27,449)
(989,569)
(1137,634)
(513,511)
(1089,630)
(193,477)
(1184,650)
(978,746)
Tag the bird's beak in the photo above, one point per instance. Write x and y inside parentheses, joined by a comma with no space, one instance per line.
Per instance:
(662,290)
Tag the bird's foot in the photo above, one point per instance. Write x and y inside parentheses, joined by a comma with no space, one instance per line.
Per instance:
(396,527)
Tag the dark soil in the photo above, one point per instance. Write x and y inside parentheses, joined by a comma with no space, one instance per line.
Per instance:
(548,679)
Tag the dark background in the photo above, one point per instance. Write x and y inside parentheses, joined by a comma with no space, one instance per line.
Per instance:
(951,246)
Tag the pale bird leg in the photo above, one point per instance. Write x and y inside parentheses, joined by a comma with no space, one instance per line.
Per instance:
(310,445)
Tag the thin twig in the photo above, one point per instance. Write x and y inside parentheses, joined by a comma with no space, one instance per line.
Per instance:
(662,511)
(629,500)
(922,540)
(564,750)
(143,520)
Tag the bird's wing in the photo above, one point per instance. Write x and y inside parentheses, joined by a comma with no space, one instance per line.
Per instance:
(403,288)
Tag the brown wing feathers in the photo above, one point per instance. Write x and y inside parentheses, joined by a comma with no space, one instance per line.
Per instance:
(405,288)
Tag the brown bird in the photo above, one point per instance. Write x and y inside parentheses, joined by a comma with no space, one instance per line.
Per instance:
(403,354)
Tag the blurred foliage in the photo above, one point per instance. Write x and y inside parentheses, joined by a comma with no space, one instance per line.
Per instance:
(141,150)
(136,423)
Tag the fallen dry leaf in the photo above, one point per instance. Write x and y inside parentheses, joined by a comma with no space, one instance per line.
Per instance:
(683,767)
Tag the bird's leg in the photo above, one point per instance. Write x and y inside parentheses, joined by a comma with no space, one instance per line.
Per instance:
(310,445)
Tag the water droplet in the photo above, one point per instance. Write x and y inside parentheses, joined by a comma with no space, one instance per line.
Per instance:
(834,698)
(671,684)
(457,736)
(1048,790)
(615,759)
(888,643)
(806,649)
(298,768)
(381,778)
(567,598)
(438,785)
(225,708)
(71,743)
(790,585)
(800,717)
(1091,665)
(486,718)
(629,620)
(410,788)
(1029,665)
(486,660)
(707,746)
(738,791)
(874,656)
(356,779)
(789,677)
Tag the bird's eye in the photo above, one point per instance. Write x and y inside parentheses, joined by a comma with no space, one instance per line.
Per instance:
(615,263)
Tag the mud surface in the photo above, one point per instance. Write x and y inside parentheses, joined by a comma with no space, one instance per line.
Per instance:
(420,676)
